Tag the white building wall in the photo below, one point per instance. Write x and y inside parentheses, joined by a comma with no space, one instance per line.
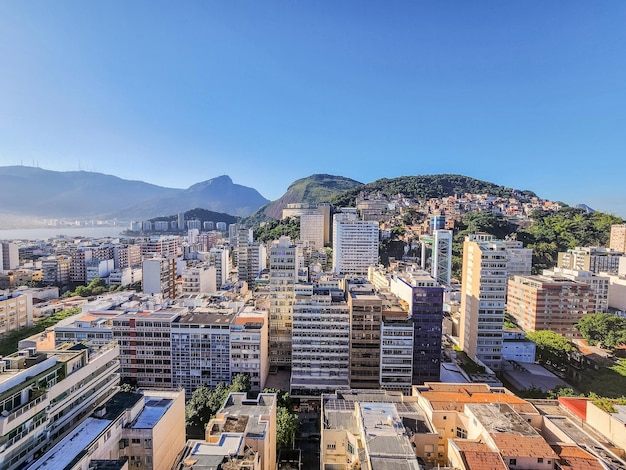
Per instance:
(355,244)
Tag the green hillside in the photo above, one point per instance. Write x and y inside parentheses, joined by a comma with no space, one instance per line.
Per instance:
(311,190)
(426,187)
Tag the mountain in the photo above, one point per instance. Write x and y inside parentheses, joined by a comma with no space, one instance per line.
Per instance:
(426,187)
(218,195)
(54,194)
(313,189)
(29,191)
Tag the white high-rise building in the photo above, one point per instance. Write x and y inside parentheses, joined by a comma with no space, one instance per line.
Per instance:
(220,258)
(355,244)
(159,277)
(199,279)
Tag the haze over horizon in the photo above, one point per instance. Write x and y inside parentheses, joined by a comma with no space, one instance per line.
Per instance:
(530,96)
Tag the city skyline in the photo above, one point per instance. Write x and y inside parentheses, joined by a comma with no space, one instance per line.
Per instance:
(526,96)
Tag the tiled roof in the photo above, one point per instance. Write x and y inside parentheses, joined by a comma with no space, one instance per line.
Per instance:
(478,456)
(515,445)
(572,457)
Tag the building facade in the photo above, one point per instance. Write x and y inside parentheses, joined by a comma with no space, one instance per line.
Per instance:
(549,303)
(282,279)
(355,244)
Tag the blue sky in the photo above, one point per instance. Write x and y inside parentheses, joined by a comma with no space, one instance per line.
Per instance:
(530,95)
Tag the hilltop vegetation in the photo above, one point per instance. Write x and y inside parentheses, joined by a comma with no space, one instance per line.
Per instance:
(567,228)
(426,187)
(311,190)
(200,214)
(549,233)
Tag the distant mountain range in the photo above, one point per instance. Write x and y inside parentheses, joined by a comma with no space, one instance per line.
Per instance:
(29,191)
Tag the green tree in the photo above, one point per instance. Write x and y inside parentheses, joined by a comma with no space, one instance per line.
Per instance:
(561,391)
(552,347)
(206,402)
(283,398)
(241,383)
(198,410)
(287,425)
(603,328)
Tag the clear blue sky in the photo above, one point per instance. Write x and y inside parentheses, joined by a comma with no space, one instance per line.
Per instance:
(529,94)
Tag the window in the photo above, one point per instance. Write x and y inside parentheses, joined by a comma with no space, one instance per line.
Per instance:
(540,460)
(147,443)
(512,461)
(462,433)
(330,447)
(135,441)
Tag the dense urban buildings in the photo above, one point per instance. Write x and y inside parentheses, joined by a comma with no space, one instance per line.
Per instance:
(368,351)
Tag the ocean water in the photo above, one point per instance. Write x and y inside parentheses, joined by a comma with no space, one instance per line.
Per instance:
(46,233)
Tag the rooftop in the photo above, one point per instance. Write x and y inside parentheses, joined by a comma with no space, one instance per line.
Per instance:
(206,318)
(238,405)
(572,457)
(501,418)
(514,445)
(154,409)
(61,455)
(478,455)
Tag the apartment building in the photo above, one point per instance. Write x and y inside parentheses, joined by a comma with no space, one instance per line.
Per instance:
(43,395)
(125,276)
(166,247)
(617,240)
(126,256)
(98,268)
(423,297)
(320,356)
(16,310)
(487,264)
(145,346)
(549,303)
(598,284)
(92,328)
(355,244)
(9,256)
(396,353)
(78,265)
(56,270)
(199,279)
(131,430)
(159,277)
(249,346)
(365,334)
(220,258)
(445,408)
(244,430)
(200,350)
(283,276)
(371,429)
(250,260)
(312,230)
(594,259)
